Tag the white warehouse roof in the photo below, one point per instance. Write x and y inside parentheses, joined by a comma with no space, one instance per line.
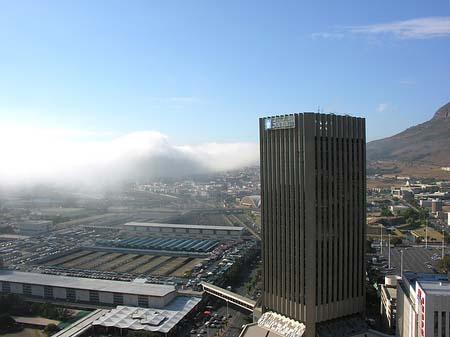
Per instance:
(133,288)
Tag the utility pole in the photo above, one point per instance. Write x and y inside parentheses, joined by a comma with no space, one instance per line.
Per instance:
(426,234)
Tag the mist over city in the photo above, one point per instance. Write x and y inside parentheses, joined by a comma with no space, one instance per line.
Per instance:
(71,158)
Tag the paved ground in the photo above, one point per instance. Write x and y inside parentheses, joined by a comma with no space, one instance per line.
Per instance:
(235,325)
(232,329)
(414,258)
(26,333)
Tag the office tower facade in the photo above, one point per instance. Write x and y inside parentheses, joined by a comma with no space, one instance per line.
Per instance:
(313,185)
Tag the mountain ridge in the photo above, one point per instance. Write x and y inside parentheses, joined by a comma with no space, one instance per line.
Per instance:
(428,142)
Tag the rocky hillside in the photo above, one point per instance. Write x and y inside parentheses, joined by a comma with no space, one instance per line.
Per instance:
(428,142)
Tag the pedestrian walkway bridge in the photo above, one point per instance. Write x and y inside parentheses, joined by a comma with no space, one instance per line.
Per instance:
(229,296)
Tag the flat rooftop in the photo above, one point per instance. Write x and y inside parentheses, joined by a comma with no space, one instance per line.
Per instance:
(168,225)
(424,279)
(437,288)
(133,288)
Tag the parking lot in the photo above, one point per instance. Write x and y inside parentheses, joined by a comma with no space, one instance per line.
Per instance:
(130,263)
(416,259)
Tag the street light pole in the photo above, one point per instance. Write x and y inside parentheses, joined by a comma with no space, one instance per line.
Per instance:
(401,263)
(443,239)
(426,234)
(381,240)
(389,250)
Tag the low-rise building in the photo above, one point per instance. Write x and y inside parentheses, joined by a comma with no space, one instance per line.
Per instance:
(184,231)
(85,291)
(435,205)
(34,227)
(389,301)
(404,192)
(396,209)
(423,305)
(252,201)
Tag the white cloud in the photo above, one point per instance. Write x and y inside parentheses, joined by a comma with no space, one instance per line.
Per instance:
(34,155)
(419,28)
(385,107)
(407,82)
(330,35)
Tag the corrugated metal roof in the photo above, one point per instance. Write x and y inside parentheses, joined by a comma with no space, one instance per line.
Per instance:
(167,225)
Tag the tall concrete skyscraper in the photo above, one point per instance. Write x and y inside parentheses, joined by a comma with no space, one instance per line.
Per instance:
(313,185)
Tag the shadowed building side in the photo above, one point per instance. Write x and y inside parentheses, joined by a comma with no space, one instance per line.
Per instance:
(313,216)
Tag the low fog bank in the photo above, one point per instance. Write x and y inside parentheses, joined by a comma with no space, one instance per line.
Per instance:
(35,156)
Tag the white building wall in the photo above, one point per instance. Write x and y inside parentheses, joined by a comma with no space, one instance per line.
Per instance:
(407,319)
(106,297)
(37,290)
(82,295)
(130,300)
(16,288)
(59,293)
(439,304)
(409,313)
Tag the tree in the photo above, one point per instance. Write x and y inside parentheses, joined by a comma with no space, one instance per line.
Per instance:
(447,238)
(14,305)
(369,248)
(409,214)
(50,310)
(444,264)
(51,329)
(396,241)
(7,321)
(386,212)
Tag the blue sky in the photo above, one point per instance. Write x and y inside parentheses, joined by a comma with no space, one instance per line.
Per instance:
(204,71)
